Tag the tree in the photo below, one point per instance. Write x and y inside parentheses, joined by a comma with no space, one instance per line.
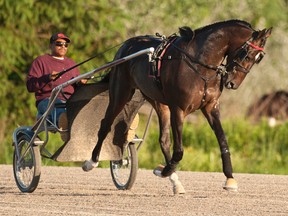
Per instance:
(97,25)
(25,29)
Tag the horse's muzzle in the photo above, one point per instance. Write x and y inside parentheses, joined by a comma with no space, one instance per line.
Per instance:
(231,85)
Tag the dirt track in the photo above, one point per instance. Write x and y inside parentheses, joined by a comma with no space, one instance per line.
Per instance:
(70,191)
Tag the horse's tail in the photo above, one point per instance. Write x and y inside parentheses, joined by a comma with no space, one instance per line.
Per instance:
(125,50)
(105,78)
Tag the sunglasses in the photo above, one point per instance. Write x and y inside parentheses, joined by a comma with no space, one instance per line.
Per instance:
(60,44)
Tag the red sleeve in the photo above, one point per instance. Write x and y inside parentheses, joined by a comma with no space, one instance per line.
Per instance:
(36,78)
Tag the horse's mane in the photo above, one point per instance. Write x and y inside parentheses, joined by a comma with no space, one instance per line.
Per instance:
(187,33)
(225,23)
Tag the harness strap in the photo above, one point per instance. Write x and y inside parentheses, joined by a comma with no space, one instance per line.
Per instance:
(163,53)
(254,46)
(162,48)
(167,42)
(159,53)
(212,67)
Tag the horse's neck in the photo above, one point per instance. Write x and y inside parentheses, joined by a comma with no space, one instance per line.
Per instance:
(218,44)
(213,50)
(237,36)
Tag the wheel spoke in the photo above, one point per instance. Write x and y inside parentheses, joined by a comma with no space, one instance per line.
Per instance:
(124,171)
(26,170)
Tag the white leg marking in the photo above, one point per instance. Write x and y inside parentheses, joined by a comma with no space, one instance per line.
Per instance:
(177,185)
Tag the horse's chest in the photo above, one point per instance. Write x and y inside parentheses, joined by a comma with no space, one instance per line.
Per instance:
(202,98)
(210,96)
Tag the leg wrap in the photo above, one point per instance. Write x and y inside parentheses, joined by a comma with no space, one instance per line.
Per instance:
(226,162)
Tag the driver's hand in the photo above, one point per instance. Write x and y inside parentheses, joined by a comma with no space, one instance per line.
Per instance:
(54,75)
(83,81)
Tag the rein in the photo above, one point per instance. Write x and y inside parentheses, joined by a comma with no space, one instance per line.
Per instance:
(76,65)
(220,70)
(167,42)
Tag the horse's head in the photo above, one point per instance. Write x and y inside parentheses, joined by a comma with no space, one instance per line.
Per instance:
(240,61)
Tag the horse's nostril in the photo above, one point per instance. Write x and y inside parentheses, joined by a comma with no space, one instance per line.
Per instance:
(229,85)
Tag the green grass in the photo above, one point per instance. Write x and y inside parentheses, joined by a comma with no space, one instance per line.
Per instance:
(255,148)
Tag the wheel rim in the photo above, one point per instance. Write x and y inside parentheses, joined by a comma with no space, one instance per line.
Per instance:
(25,169)
(122,168)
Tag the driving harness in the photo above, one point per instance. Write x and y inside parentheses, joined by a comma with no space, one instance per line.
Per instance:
(221,70)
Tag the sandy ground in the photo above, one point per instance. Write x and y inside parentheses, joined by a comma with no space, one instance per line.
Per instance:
(70,191)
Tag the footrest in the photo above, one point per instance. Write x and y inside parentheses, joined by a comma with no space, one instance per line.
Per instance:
(38,142)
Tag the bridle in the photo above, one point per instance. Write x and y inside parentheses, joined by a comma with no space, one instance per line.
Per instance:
(243,54)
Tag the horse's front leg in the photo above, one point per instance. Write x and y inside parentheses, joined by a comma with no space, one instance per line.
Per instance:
(213,116)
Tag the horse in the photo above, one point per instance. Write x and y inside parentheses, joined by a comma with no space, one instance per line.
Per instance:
(191,71)
(273,106)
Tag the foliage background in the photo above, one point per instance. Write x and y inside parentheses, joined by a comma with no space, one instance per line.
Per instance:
(97,25)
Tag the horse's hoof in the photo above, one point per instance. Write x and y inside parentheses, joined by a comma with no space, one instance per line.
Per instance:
(177,185)
(158,171)
(178,189)
(230,185)
(89,165)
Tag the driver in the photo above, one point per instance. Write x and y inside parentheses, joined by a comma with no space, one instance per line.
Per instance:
(41,78)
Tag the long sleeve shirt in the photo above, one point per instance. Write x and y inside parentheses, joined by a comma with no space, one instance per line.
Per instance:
(38,80)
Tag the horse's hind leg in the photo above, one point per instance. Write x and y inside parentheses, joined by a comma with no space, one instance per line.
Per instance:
(119,95)
(163,114)
(177,117)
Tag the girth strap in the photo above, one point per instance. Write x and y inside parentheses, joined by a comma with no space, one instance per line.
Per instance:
(159,54)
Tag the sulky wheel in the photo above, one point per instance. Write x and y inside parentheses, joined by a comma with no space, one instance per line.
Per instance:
(124,171)
(27,171)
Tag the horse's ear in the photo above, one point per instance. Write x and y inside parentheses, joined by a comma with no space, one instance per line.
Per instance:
(262,33)
(268,32)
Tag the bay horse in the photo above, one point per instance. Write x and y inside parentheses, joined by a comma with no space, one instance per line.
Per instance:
(193,69)
(273,106)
